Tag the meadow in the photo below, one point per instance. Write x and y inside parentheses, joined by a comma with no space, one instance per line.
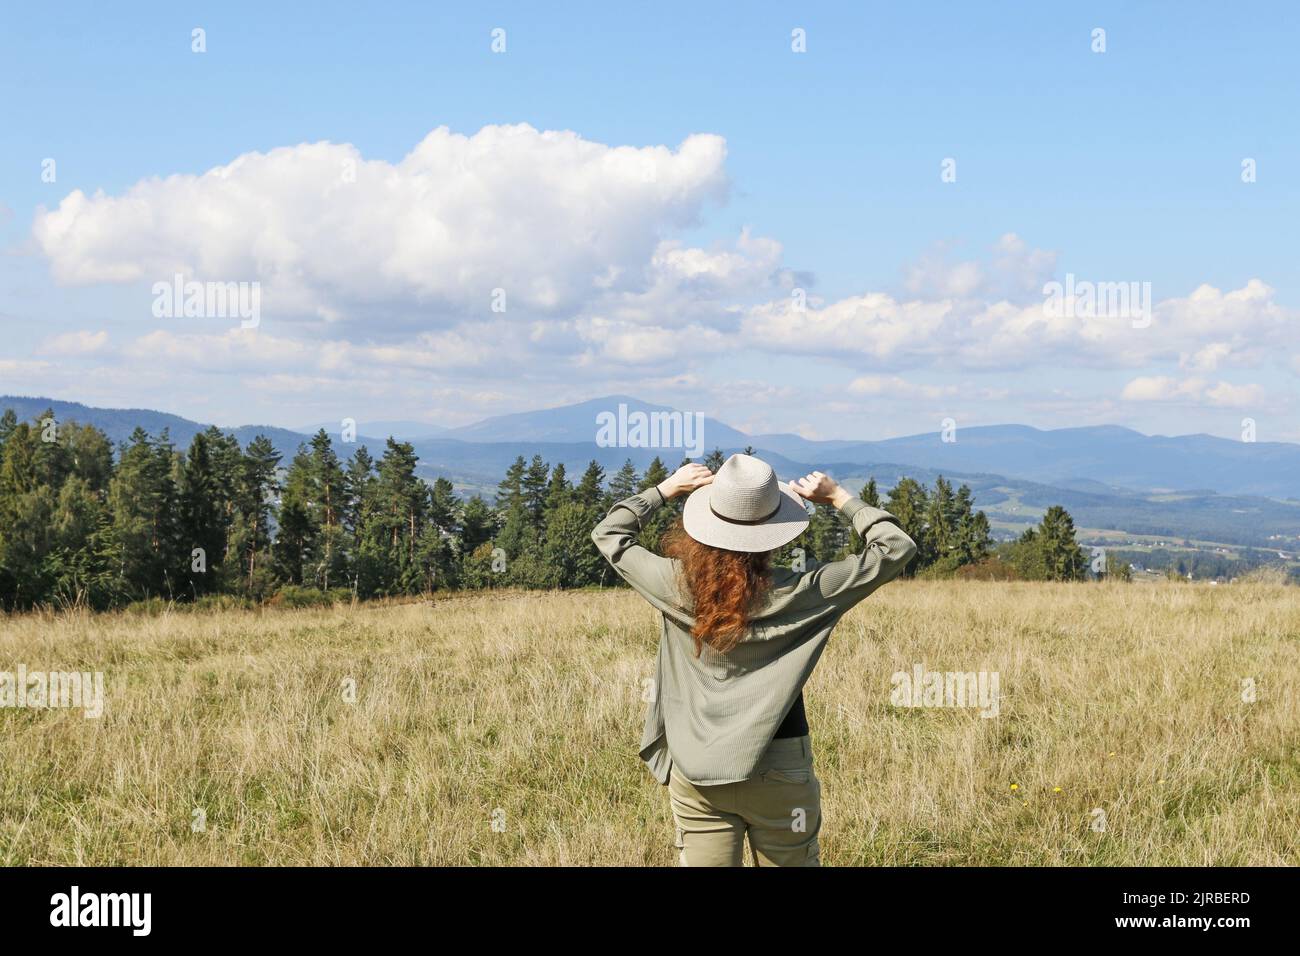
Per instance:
(501,728)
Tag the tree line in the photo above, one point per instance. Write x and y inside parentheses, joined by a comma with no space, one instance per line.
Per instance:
(85,524)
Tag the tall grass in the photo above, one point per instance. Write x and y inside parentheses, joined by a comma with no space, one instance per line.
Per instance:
(524,709)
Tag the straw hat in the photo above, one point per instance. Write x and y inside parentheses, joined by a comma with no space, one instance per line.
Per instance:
(744,508)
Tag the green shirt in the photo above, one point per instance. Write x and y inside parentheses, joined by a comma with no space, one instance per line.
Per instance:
(713,716)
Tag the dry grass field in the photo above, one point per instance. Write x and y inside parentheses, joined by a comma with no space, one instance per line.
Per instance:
(1124,699)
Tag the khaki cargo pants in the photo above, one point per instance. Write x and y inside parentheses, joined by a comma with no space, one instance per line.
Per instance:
(779,808)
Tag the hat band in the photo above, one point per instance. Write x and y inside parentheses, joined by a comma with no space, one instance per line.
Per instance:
(767,517)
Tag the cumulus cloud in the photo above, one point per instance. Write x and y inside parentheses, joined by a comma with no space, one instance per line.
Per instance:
(1163,388)
(896,387)
(547,216)
(1204,331)
(1227,395)
(1015,270)
(82,342)
(242,350)
(384,273)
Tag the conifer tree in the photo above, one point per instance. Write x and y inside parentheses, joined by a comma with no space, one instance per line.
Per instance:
(254,511)
(149,553)
(590,490)
(625,482)
(907,502)
(204,518)
(533,486)
(870,495)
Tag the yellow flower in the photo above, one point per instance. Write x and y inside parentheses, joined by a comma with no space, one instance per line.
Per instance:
(1057,790)
(1111,754)
(1015,786)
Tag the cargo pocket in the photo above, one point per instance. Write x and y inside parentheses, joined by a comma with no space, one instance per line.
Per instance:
(787,776)
(680,843)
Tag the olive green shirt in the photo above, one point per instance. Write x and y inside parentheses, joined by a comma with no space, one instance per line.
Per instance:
(713,716)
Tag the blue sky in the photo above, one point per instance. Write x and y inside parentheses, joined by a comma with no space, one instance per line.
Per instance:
(1115,166)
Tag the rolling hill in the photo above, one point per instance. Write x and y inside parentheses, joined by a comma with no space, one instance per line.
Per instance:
(1191,487)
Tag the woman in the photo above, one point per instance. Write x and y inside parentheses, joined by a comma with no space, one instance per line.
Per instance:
(725,727)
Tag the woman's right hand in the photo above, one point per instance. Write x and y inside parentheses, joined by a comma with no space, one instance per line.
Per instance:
(820,489)
(685,480)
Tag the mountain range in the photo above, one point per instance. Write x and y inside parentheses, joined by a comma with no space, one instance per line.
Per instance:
(1190,486)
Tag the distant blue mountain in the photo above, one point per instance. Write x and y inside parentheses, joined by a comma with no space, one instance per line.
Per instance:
(1105,455)
(1108,454)
(1107,477)
(400,429)
(576,424)
(119,423)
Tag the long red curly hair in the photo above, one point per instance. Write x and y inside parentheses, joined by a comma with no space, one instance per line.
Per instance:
(725,586)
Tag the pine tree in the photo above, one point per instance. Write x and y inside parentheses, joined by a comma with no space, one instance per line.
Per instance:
(559,491)
(1026,555)
(297,522)
(511,488)
(150,556)
(870,495)
(826,535)
(77,565)
(654,475)
(941,522)
(907,502)
(568,555)
(974,538)
(1063,559)
(625,482)
(590,490)
(477,525)
(441,557)
(395,530)
(51,459)
(227,460)
(90,454)
(20,553)
(660,520)
(8,422)
(204,518)
(358,487)
(534,487)
(329,495)
(254,512)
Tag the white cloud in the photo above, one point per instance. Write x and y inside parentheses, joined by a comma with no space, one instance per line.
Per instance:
(1162,388)
(82,342)
(1204,331)
(549,217)
(1015,270)
(1227,395)
(24,370)
(894,387)
(384,279)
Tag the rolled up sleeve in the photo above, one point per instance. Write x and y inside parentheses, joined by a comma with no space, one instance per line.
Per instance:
(616,538)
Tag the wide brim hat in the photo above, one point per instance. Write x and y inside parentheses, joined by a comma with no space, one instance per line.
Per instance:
(745,508)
